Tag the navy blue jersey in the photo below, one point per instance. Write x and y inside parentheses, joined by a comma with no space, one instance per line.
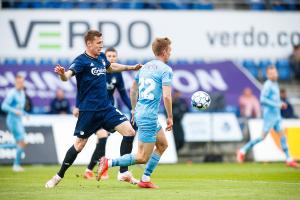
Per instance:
(91,82)
(115,81)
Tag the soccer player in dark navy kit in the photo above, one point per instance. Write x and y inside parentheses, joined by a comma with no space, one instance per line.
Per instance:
(114,81)
(95,110)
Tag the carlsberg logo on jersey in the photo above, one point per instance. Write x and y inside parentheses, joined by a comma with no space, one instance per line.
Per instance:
(98,71)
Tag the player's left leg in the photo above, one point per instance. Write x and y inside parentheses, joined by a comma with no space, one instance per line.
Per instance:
(241,153)
(19,134)
(289,160)
(126,148)
(142,156)
(161,145)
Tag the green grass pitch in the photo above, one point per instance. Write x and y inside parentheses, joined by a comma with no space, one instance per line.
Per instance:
(180,181)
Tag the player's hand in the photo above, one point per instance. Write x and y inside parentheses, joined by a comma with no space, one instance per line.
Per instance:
(59,69)
(75,112)
(169,124)
(136,67)
(283,106)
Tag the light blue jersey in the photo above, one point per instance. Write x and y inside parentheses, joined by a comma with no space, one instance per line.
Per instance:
(271,104)
(150,78)
(15,101)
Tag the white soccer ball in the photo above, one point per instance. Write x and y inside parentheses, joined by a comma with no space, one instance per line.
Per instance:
(200,100)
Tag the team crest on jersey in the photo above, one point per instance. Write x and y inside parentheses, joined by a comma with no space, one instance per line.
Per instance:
(103,62)
(98,71)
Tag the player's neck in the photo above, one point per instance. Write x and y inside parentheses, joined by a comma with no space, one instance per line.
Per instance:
(161,59)
(90,54)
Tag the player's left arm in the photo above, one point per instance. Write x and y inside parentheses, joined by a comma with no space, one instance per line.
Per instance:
(167,77)
(116,67)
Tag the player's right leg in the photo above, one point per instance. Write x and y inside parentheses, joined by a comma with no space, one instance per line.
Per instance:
(98,153)
(85,127)
(18,131)
(241,153)
(67,162)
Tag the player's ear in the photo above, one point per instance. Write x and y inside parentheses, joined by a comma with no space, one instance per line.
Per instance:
(88,43)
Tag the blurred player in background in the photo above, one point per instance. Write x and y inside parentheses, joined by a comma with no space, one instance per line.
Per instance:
(95,110)
(14,105)
(271,104)
(113,81)
(151,82)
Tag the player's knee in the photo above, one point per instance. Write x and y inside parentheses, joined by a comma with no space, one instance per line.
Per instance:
(162,147)
(130,132)
(79,146)
(102,134)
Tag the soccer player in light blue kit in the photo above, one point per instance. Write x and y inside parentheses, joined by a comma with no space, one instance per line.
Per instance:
(152,82)
(14,104)
(271,104)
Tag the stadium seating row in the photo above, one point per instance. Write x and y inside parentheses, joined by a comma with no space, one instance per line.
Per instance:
(65,61)
(139,4)
(258,70)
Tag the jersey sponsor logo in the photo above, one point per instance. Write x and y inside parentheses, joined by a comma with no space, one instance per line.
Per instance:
(98,71)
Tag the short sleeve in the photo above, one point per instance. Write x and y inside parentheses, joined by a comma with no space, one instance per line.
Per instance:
(76,67)
(167,77)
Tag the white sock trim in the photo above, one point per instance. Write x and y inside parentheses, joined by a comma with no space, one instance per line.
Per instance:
(145,178)
(109,163)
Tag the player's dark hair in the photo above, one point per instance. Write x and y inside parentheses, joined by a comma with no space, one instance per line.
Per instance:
(90,35)
(19,76)
(110,49)
(159,45)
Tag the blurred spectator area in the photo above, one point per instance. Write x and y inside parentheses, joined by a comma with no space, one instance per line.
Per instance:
(276,5)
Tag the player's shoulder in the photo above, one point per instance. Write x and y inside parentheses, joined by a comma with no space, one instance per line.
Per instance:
(161,65)
(80,58)
(12,92)
(267,83)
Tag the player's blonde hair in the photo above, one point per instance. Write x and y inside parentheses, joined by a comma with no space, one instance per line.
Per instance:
(160,45)
(90,35)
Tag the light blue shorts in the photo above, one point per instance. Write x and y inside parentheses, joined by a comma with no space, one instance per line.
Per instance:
(15,126)
(148,130)
(276,124)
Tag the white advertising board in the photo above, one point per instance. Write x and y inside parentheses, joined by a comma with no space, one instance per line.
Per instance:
(208,35)
(63,128)
(205,127)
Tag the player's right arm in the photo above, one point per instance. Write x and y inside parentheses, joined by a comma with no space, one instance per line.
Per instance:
(167,98)
(6,104)
(64,75)
(133,97)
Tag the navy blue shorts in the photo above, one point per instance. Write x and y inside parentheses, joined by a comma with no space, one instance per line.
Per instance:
(90,121)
